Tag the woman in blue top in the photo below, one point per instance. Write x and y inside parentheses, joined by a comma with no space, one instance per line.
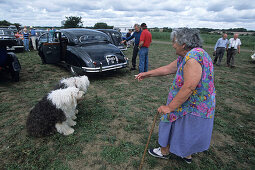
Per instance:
(26,39)
(187,118)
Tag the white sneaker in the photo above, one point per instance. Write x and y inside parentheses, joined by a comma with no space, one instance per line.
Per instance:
(156,152)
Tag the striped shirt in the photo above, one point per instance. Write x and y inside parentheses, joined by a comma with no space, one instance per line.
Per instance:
(25,35)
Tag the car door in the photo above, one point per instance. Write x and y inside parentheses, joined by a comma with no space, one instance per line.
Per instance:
(51,49)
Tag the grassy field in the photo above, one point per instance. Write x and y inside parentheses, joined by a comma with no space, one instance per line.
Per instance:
(116,115)
(210,39)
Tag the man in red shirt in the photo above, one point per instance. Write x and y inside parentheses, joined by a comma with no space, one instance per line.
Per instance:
(144,44)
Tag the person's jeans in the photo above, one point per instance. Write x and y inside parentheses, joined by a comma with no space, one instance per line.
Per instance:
(143,59)
(26,44)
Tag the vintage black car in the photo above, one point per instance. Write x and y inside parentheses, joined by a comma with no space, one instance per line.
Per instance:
(81,50)
(115,37)
(8,60)
(8,34)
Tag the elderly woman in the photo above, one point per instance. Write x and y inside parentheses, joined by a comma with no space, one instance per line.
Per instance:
(187,118)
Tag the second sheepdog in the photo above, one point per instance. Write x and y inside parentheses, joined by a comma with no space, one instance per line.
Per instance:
(54,113)
(80,82)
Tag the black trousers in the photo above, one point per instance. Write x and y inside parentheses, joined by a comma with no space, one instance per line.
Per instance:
(231,56)
(135,52)
(219,54)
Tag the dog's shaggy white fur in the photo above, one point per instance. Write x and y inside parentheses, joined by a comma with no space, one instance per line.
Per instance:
(80,82)
(55,112)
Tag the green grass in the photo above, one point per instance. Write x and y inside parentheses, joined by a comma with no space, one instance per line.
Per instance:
(116,115)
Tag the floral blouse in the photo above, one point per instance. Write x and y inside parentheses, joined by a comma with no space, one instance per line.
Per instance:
(202,102)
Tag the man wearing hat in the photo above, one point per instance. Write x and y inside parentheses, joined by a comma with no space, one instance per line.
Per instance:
(144,44)
(33,37)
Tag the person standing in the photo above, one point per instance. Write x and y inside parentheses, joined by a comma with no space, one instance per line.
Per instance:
(26,39)
(33,37)
(233,47)
(187,118)
(220,48)
(135,35)
(127,36)
(144,44)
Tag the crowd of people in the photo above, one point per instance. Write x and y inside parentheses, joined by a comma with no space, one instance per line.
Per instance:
(28,36)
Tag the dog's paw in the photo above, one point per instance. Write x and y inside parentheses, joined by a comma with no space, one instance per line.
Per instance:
(73,117)
(69,131)
(73,123)
(70,122)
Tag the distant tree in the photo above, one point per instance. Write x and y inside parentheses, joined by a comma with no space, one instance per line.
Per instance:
(73,22)
(155,29)
(166,29)
(205,30)
(17,25)
(5,23)
(102,25)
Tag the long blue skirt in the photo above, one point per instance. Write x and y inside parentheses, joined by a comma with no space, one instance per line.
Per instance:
(187,135)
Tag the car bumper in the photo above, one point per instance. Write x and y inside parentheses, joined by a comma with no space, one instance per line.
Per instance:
(14,47)
(105,68)
(123,49)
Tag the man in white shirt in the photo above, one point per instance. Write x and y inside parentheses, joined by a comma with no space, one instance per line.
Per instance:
(233,47)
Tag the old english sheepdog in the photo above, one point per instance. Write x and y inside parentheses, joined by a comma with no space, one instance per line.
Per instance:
(54,112)
(80,82)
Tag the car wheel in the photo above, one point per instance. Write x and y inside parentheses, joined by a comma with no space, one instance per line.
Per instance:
(15,76)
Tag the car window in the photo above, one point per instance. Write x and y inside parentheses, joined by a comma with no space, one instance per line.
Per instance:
(89,38)
(6,32)
(44,38)
(63,36)
(117,38)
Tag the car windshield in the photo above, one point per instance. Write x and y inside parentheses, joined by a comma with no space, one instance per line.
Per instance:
(91,38)
(117,37)
(6,32)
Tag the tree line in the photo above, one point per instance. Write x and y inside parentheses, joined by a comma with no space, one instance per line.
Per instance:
(76,22)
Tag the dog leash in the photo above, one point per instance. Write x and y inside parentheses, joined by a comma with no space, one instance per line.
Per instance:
(148,141)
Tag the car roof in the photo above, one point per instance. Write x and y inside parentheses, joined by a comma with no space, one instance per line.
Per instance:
(77,30)
(107,30)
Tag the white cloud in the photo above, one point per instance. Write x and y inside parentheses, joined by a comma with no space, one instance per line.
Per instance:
(156,13)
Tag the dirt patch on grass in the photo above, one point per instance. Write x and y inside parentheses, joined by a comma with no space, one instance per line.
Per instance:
(238,105)
(219,139)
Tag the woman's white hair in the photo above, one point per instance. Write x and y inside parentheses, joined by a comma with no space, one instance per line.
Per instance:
(188,36)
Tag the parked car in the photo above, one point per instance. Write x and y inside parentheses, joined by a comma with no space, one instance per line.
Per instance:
(81,50)
(8,60)
(115,37)
(8,34)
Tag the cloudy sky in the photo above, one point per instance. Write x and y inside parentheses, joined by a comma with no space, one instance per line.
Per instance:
(156,13)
